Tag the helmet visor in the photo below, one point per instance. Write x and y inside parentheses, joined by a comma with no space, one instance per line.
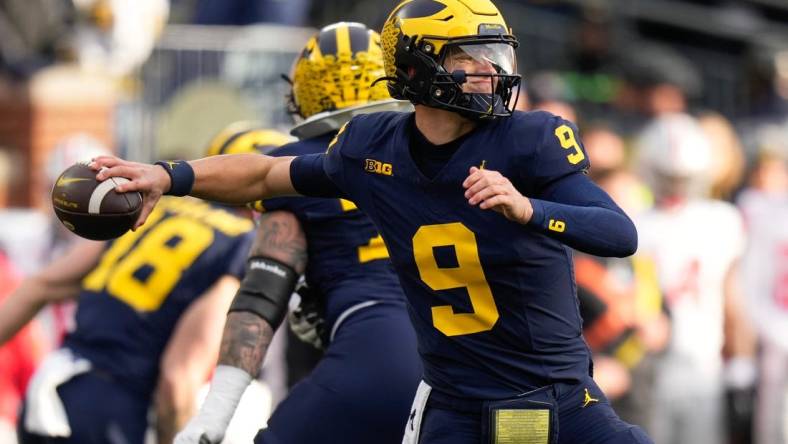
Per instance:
(480,58)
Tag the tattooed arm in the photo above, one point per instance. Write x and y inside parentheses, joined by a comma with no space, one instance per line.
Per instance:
(246,334)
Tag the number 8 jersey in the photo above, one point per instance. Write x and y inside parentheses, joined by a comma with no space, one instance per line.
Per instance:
(131,302)
(492,301)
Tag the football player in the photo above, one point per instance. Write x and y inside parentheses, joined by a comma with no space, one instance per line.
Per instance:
(765,275)
(711,346)
(370,345)
(150,311)
(478,206)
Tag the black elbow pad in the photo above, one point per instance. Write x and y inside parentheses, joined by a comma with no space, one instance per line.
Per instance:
(265,289)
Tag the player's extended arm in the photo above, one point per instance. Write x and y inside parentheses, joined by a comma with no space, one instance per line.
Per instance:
(60,280)
(190,356)
(573,210)
(233,179)
(277,256)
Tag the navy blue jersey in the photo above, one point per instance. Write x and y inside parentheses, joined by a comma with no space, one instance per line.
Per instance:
(145,280)
(347,259)
(493,302)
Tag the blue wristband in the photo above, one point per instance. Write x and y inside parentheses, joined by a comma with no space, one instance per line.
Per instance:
(181,176)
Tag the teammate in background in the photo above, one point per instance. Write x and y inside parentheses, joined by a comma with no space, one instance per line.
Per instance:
(246,137)
(361,390)
(491,292)
(263,394)
(150,311)
(30,238)
(696,244)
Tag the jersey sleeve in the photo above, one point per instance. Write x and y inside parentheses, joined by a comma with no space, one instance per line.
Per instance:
(310,177)
(334,164)
(578,213)
(559,153)
(343,157)
(338,172)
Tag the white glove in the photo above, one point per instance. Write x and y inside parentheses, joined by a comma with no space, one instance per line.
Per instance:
(195,433)
(305,316)
(208,426)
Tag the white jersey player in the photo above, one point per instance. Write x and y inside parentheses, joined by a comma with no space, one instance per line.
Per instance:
(695,243)
(765,275)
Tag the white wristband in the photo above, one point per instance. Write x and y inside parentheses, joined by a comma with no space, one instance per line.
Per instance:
(740,373)
(227,386)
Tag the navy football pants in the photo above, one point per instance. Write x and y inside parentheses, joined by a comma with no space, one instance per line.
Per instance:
(362,389)
(99,411)
(596,423)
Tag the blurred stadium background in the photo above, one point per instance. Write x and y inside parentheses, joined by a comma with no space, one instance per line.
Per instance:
(151,79)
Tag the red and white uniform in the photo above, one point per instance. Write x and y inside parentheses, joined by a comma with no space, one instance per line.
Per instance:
(694,246)
(765,276)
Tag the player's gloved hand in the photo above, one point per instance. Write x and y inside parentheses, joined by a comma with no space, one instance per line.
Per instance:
(306,317)
(208,426)
(195,433)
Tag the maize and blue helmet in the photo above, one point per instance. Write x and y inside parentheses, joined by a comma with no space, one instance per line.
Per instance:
(457,55)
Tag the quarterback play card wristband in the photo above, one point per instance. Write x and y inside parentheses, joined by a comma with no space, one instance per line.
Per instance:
(181,176)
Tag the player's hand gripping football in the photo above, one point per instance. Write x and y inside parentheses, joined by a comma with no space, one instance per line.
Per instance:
(150,180)
(491,190)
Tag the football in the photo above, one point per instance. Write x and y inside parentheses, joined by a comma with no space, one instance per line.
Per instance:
(92,209)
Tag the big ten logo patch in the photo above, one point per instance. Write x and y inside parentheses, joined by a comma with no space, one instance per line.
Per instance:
(378,167)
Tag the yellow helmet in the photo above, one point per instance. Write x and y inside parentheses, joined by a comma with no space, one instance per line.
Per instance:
(441,53)
(336,70)
(246,137)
